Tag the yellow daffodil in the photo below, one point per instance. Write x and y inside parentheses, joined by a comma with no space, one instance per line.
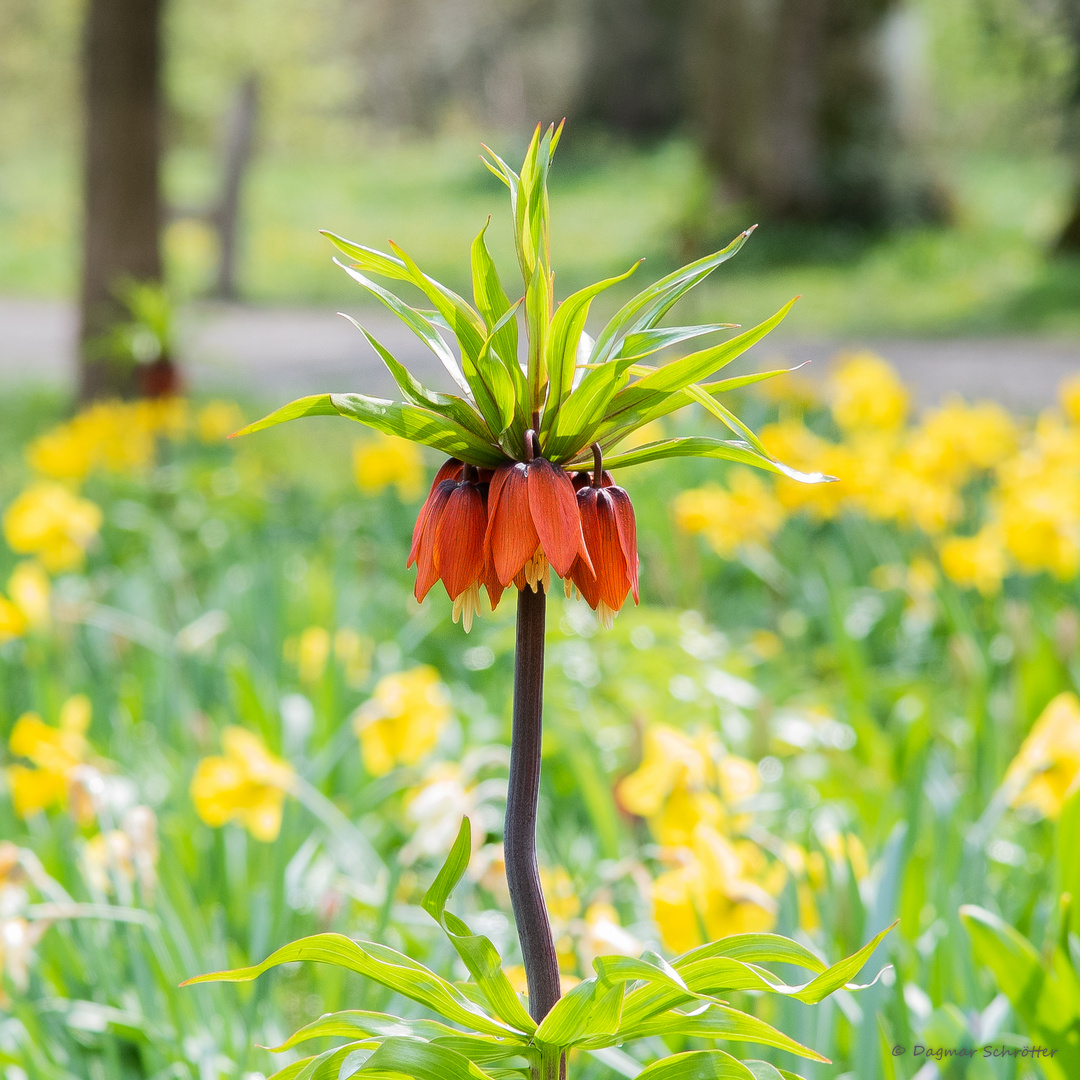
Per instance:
(710,894)
(746,514)
(1047,765)
(401,722)
(48,521)
(865,393)
(247,784)
(382,461)
(683,782)
(976,562)
(1038,500)
(958,439)
(54,753)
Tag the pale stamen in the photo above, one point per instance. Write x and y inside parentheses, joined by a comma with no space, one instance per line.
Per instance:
(606,615)
(467,606)
(537,570)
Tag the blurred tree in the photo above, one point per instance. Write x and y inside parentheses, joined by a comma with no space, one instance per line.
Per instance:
(1068,241)
(632,78)
(121,190)
(803,107)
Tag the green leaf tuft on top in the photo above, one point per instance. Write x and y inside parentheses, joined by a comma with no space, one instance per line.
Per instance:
(574,389)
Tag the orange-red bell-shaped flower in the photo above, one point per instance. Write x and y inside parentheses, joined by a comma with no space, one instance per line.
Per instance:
(448,541)
(607,522)
(533,521)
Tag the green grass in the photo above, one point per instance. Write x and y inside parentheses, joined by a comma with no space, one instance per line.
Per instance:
(985,273)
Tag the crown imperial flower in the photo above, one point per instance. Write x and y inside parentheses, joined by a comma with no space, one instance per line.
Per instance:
(503,508)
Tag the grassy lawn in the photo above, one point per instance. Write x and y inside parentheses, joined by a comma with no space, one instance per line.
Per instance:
(985,273)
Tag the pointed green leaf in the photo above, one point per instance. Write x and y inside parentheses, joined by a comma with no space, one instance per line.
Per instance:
(725,416)
(840,974)
(693,368)
(537,316)
(479,955)
(369,259)
(562,344)
(419,425)
(652,304)
(327,1065)
(491,299)
(464,322)
(698,446)
(419,1060)
(591,1008)
(756,949)
(378,963)
(457,409)
(356,1023)
(736,382)
(581,413)
(419,324)
(716,1022)
(648,342)
(315,405)
(697,1065)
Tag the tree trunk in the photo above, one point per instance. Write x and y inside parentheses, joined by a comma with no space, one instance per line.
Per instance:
(122,200)
(632,74)
(796,106)
(1068,241)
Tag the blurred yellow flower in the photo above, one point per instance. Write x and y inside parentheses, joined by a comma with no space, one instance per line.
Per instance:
(353,652)
(675,786)
(54,753)
(1038,500)
(716,891)
(563,903)
(385,460)
(13,623)
(865,393)
(402,720)
(958,439)
(313,650)
(48,521)
(30,590)
(217,420)
(118,436)
(747,514)
(247,784)
(1069,396)
(1047,765)
(976,562)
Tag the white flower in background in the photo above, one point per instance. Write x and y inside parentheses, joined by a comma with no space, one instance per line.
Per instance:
(449,792)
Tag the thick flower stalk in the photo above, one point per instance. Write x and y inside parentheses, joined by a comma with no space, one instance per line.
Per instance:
(526,490)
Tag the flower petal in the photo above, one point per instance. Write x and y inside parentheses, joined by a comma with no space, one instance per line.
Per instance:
(612,579)
(627,526)
(426,572)
(459,539)
(555,515)
(449,470)
(511,536)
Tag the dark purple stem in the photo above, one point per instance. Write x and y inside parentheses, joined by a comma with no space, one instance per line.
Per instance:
(519,845)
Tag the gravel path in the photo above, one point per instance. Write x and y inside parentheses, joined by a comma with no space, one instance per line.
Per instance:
(283,352)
